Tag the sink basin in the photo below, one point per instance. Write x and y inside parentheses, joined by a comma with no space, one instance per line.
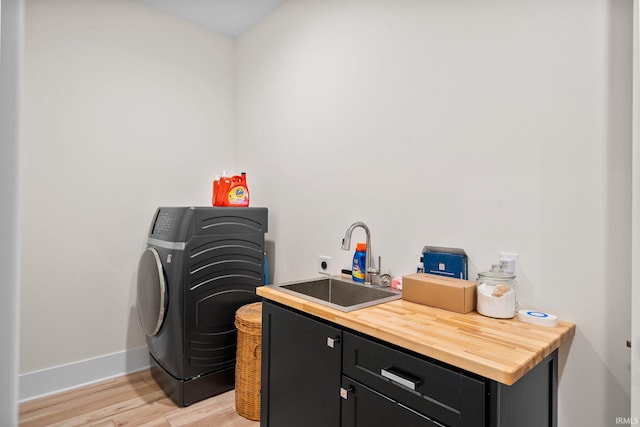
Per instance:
(341,294)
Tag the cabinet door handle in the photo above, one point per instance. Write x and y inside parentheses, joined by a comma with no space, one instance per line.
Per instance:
(331,342)
(396,377)
(344,392)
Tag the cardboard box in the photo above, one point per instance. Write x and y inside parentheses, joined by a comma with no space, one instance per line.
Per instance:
(442,292)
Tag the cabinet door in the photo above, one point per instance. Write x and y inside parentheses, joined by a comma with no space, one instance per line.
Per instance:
(301,365)
(364,407)
(531,401)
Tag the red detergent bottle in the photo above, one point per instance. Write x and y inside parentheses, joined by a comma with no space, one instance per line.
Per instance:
(238,191)
(223,188)
(216,191)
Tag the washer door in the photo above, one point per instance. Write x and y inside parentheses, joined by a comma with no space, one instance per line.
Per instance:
(152,292)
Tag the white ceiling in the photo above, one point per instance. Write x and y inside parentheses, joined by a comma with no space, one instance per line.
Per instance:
(228,17)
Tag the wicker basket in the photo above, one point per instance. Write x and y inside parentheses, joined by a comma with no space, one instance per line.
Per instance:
(248,359)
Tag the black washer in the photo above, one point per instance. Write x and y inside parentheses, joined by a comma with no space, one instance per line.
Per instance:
(201,264)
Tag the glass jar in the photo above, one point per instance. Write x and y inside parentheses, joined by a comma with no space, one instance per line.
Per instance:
(496,290)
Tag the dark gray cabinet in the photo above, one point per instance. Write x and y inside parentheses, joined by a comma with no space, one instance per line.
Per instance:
(315,373)
(301,370)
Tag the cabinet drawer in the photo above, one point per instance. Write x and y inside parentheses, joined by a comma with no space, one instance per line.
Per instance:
(447,396)
(364,407)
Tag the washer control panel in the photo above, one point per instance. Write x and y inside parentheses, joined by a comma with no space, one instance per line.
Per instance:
(164,222)
(172,224)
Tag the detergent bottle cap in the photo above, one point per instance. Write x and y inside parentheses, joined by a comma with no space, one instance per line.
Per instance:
(361,247)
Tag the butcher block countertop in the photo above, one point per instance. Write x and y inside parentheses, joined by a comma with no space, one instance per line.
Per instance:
(503,350)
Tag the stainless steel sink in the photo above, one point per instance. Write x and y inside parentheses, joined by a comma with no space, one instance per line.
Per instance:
(338,293)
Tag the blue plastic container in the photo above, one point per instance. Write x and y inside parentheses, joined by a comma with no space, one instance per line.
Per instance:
(359,263)
(450,262)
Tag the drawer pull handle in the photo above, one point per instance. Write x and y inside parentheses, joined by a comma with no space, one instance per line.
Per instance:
(395,377)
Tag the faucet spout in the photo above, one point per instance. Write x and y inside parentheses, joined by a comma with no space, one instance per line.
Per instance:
(346,244)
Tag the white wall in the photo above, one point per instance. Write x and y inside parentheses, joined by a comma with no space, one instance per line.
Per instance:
(11,14)
(485,125)
(126,108)
(635,268)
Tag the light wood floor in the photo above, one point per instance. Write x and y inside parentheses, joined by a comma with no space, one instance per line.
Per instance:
(131,400)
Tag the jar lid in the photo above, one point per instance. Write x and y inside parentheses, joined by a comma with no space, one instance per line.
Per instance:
(497,273)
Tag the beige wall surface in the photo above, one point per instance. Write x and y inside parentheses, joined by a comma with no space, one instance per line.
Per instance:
(486,125)
(635,270)
(125,108)
(11,30)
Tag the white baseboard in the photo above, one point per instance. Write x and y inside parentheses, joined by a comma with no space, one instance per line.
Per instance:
(65,377)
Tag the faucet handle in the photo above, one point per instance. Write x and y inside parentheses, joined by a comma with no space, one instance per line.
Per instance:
(374,270)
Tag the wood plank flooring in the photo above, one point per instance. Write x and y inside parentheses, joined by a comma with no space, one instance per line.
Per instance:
(131,400)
